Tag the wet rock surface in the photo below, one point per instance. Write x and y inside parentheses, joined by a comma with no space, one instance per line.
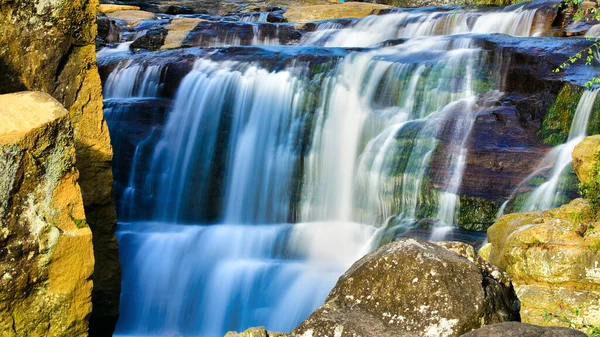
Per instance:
(411,288)
(46,253)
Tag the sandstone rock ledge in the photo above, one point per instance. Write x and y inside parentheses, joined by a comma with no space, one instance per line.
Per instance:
(46,255)
(303,14)
(553,260)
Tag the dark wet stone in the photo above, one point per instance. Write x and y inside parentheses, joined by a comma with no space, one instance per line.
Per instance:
(276,17)
(110,30)
(177,10)
(207,33)
(153,40)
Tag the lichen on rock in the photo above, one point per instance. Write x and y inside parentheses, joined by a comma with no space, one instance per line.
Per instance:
(553,260)
(411,288)
(48,46)
(46,258)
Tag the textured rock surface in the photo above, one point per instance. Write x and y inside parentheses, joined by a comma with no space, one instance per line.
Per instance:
(516,329)
(108,8)
(48,46)
(46,255)
(553,260)
(584,157)
(333,11)
(255,332)
(410,288)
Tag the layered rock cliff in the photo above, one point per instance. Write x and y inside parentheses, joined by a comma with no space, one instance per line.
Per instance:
(48,46)
(46,255)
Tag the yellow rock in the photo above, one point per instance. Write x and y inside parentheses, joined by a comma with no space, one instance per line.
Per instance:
(109,8)
(46,257)
(553,260)
(584,160)
(131,17)
(333,11)
(178,30)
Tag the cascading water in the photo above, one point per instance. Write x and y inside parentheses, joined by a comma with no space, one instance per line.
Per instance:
(258,184)
(547,195)
(378,28)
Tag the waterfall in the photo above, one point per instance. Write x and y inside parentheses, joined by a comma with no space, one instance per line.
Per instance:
(247,178)
(378,28)
(256,184)
(594,31)
(547,195)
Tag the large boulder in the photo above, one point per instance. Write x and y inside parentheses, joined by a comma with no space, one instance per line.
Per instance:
(48,46)
(585,158)
(411,288)
(553,260)
(46,254)
(516,329)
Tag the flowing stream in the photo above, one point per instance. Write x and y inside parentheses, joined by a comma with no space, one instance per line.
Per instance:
(253,185)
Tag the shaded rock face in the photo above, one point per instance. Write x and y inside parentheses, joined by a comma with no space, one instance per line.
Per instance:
(553,260)
(410,288)
(48,46)
(516,329)
(46,255)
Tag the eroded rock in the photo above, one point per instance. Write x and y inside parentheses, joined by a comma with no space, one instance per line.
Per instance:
(553,260)
(48,46)
(46,254)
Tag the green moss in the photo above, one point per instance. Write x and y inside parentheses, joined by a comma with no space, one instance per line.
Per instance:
(557,122)
(590,190)
(477,213)
(594,122)
(80,223)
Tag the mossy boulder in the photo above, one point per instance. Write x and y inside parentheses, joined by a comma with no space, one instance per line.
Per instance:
(411,288)
(48,46)
(46,254)
(553,260)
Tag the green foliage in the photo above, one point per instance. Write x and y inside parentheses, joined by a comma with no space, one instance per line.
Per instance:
(587,53)
(590,190)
